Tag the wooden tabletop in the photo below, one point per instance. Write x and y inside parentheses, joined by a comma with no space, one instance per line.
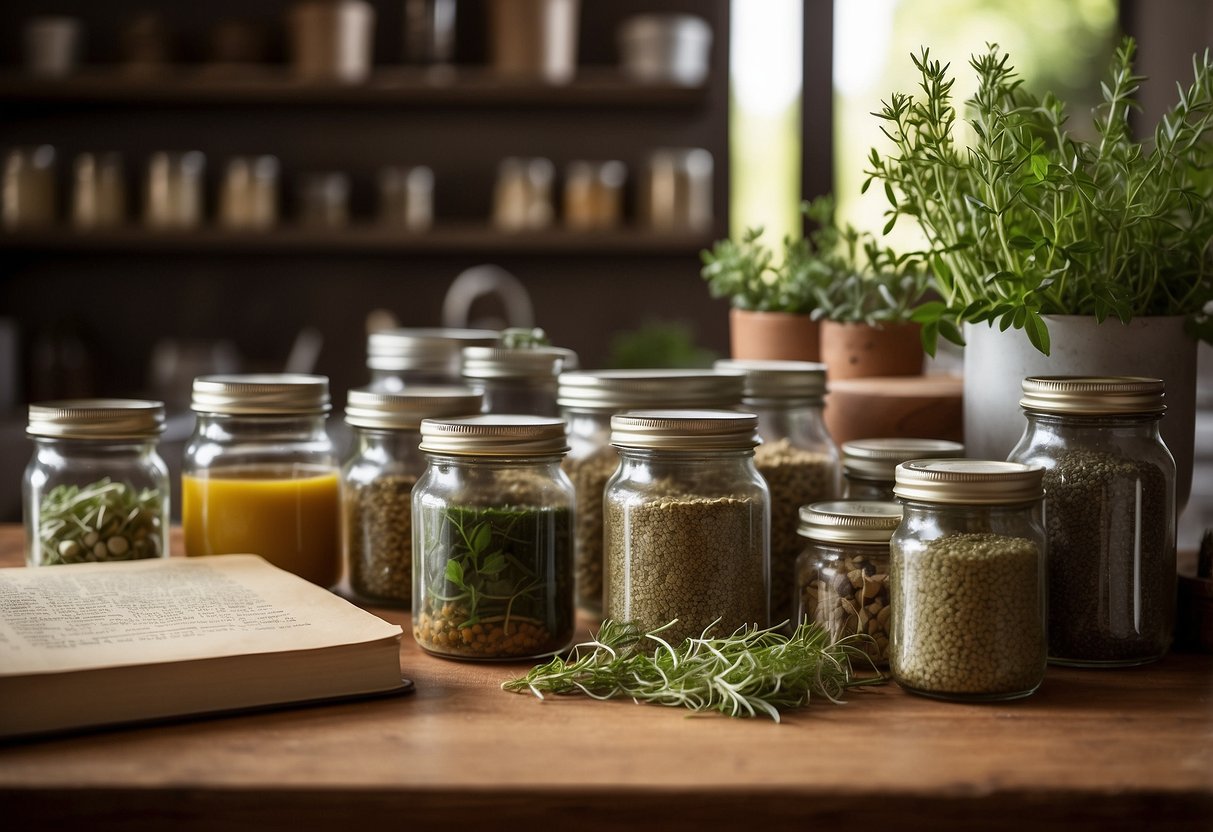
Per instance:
(1117,749)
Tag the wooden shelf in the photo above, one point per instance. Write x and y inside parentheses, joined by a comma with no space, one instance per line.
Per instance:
(593,87)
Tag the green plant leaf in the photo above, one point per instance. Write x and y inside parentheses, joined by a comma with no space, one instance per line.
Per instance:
(454,573)
(1038,332)
(493,564)
(1040,167)
(482,535)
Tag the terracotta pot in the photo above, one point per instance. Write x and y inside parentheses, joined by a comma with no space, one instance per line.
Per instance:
(851,350)
(773,336)
(925,407)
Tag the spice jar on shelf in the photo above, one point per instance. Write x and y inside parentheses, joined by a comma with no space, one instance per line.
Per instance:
(593,194)
(966,580)
(96,488)
(324,199)
(868,465)
(687,521)
(29,187)
(492,531)
(377,484)
(842,578)
(1110,515)
(588,400)
(522,196)
(406,197)
(797,457)
(517,380)
(99,191)
(259,474)
(400,358)
(248,197)
(175,185)
(676,194)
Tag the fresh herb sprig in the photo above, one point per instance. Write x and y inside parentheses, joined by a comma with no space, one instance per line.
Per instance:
(751,672)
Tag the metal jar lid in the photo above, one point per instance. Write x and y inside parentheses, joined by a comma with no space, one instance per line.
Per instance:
(405,410)
(1093,395)
(972,482)
(850,521)
(877,459)
(505,362)
(421,349)
(685,430)
(778,380)
(615,390)
(499,435)
(96,419)
(264,394)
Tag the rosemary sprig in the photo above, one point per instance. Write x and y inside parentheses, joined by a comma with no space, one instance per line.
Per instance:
(749,673)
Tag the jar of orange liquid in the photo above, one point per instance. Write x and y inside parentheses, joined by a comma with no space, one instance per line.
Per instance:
(260,474)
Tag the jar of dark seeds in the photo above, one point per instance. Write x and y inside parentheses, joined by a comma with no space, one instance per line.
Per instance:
(687,523)
(1110,516)
(377,485)
(842,577)
(797,457)
(966,580)
(588,400)
(868,465)
(492,538)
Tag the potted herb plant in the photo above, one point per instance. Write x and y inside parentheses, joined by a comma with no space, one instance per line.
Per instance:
(1056,254)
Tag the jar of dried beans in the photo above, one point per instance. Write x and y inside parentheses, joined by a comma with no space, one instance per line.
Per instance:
(868,465)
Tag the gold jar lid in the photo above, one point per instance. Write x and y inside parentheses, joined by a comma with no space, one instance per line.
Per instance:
(535,363)
(685,430)
(423,349)
(405,410)
(616,390)
(261,394)
(877,459)
(850,521)
(499,435)
(1093,395)
(778,380)
(96,419)
(972,482)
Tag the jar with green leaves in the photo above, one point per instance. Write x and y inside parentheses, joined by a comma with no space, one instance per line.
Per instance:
(492,538)
(869,465)
(377,484)
(96,488)
(966,580)
(1110,515)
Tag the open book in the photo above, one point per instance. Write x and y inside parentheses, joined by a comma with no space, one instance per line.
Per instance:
(105,643)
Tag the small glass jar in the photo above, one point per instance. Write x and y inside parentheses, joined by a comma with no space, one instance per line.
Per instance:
(29,187)
(99,192)
(492,529)
(677,191)
(399,358)
(96,489)
(588,400)
(248,197)
(868,465)
(593,194)
(842,578)
(966,580)
(175,190)
(687,523)
(259,474)
(522,197)
(517,380)
(797,457)
(377,485)
(1109,513)
(406,197)
(324,199)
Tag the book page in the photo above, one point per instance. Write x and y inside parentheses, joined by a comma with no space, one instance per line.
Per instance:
(62,618)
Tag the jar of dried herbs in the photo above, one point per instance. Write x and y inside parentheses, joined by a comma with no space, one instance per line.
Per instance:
(96,488)
(966,580)
(517,379)
(588,400)
(398,358)
(868,465)
(797,457)
(1110,516)
(842,577)
(377,485)
(492,537)
(687,525)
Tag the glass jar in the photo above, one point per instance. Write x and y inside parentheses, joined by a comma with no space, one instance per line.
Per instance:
(259,474)
(1109,513)
(29,187)
(377,484)
(797,457)
(517,380)
(593,194)
(175,190)
(398,358)
(966,580)
(96,489)
(868,465)
(99,192)
(842,577)
(406,197)
(492,526)
(588,400)
(687,523)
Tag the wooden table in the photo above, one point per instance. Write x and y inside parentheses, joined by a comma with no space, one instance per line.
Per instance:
(1123,749)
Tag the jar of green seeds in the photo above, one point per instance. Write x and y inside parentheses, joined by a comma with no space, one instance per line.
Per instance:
(967,580)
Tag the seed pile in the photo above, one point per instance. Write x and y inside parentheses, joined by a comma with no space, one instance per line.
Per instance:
(102,521)
(967,616)
(692,558)
(379,538)
(848,595)
(795,477)
(589,475)
(1104,607)
(439,630)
